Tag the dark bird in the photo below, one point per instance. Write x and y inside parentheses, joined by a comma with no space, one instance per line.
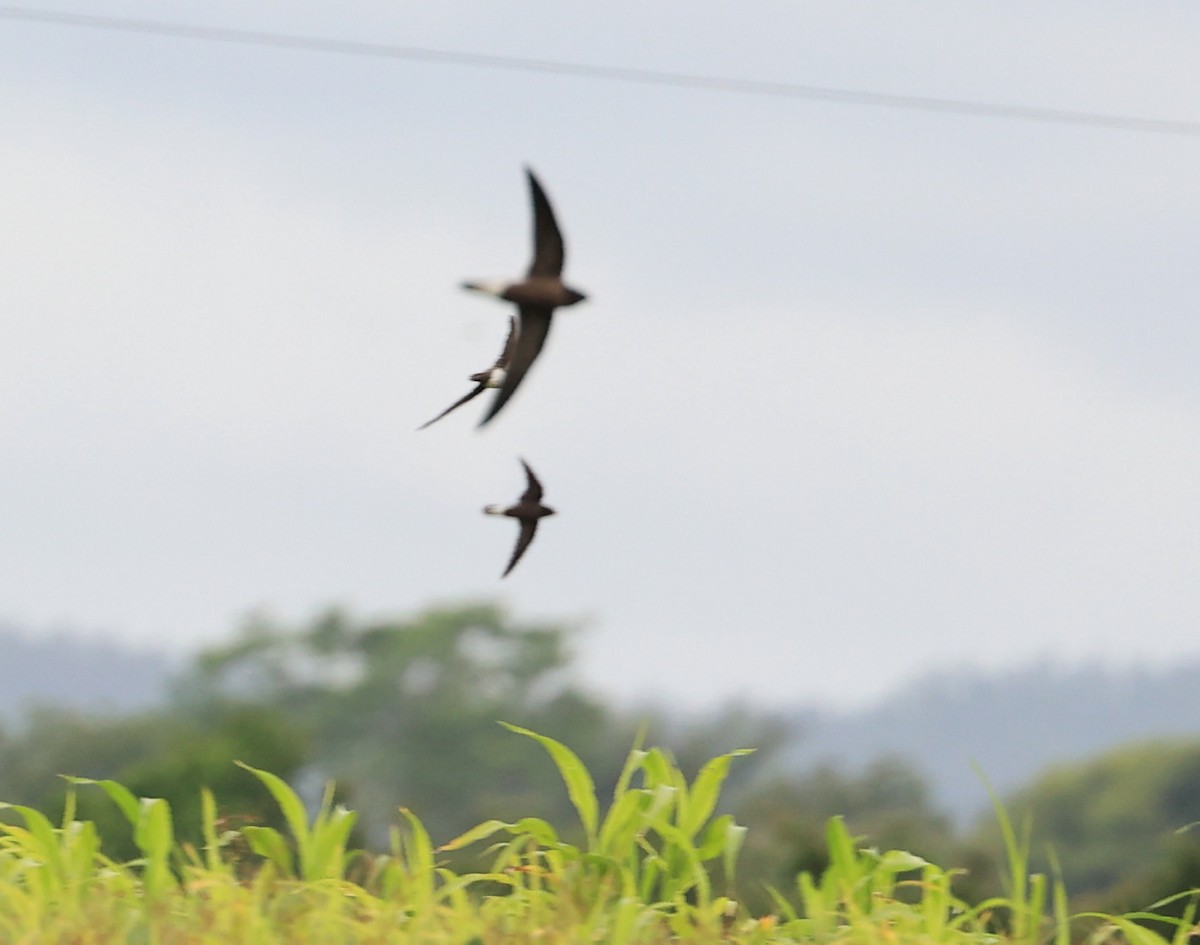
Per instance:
(527,511)
(492,377)
(536,296)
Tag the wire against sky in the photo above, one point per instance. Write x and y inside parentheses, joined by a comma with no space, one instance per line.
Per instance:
(612,73)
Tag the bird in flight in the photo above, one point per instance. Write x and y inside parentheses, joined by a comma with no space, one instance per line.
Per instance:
(492,377)
(527,511)
(536,296)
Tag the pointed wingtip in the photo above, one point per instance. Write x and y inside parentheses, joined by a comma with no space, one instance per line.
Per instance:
(494,409)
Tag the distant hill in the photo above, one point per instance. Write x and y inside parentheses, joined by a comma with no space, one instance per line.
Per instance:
(73,671)
(1013,724)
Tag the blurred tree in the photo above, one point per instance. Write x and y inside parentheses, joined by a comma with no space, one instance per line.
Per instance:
(888,805)
(53,742)
(404,712)
(398,712)
(1113,821)
(1176,874)
(695,738)
(157,754)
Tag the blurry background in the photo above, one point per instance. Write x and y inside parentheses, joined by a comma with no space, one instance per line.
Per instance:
(880,422)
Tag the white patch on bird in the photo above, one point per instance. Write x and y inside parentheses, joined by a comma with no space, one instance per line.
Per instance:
(494,509)
(488,288)
(496,378)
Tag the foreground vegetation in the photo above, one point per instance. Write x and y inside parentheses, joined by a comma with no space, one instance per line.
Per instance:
(657,866)
(402,710)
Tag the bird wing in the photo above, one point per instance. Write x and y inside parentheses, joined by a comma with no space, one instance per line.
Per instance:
(531,335)
(528,527)
(502,361)
(458,403)
(510,344)
(548,249)
(533,489)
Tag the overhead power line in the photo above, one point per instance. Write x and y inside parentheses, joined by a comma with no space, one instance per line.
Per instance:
(609,73)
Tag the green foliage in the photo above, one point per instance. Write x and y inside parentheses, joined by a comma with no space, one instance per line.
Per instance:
(651,847)
(401,708)
(165,756)
(1113,822)
(787,819)
(640,877)
(404,711)
(321,845)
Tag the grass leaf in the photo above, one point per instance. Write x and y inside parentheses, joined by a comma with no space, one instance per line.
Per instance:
(580,787)
(289,803)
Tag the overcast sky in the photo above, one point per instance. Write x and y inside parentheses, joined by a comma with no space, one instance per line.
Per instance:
(858,393)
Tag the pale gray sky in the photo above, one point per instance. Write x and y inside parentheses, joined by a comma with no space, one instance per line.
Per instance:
(858,393)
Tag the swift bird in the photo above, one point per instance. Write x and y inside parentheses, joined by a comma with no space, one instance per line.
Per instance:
(527,511)
(536,296)
(492,377)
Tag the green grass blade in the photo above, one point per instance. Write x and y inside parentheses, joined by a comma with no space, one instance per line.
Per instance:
(155,837)
(418,847)
(418,861)
(120,795)
(782,906)
(44,842)
(535,827)
(324,856)
(208,827)
(843,857)
(269,843)
(580,787)
(621,824)
(155,833)
(735,836)
(659,771)
(479,832)
(291,805)
(705,791)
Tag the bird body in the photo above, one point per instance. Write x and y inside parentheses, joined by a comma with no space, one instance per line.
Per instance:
(537,292)
(528,511)
(536,296)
